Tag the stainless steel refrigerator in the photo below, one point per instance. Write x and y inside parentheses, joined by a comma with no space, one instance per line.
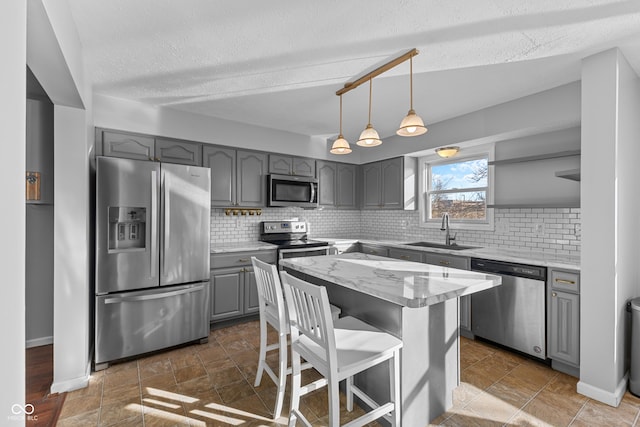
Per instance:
(152,256)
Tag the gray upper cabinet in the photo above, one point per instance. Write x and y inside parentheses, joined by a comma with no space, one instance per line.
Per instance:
(182,152)
(251,179)
(129,146)
(326,183)
(336,184)
(383,184)
(222,162)
(287,165)
(238,178)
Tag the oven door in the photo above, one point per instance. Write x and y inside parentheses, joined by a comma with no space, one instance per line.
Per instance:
(301,252)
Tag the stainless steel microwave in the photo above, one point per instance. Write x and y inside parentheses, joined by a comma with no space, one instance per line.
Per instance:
(285,190)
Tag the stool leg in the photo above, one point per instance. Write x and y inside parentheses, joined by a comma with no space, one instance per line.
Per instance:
(334,402)
(262,359)
(349,391)
(282,374)
(295,388)
(394,389)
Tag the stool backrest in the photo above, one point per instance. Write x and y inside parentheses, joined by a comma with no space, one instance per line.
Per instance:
(310,314)
(270,296)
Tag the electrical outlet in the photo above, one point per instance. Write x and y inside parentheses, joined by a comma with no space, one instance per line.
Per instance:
(538,228)
(502,226)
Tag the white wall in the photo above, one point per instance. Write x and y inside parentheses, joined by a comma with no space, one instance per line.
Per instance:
(122,114)
(610,107)
(13,33)
(55,57)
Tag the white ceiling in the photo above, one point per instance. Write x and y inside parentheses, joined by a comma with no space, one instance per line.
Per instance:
(279,63)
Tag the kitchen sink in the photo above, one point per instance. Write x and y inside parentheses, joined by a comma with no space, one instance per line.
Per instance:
(441,246)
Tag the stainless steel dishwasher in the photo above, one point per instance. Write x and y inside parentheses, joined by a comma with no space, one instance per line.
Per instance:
(514,313)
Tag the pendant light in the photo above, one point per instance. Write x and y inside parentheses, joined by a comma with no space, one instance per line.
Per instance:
(369,136)
(340,145)
(412,124)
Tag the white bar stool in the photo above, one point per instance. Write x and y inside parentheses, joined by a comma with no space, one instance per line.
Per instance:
(273,312)
(338,350)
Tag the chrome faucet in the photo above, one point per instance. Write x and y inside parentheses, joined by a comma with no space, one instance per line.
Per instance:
(445,227)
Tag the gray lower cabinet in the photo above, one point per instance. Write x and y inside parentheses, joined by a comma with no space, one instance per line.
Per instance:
(407,255)
(238,178)
(337,184)
(563,319)
(233,286)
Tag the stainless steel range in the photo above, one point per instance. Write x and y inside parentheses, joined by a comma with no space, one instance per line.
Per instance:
(291,239)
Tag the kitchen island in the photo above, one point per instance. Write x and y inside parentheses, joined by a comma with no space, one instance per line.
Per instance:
(416,302)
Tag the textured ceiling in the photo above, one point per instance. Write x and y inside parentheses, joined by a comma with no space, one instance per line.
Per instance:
(279,63)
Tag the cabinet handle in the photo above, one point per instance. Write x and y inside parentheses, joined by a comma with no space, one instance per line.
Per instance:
(243,260)
(565,281)
(553,294)
(444,263)
(404,257)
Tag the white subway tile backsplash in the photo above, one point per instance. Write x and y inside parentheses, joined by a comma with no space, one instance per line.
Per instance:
(519,228)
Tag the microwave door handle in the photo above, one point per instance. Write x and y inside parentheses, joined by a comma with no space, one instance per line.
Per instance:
(313,192)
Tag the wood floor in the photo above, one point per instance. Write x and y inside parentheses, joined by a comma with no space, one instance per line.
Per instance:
(39,376)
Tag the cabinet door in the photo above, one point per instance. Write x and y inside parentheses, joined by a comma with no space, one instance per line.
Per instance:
(465,313)
(564,331)
(182,152)
(222,162)
(391,179)
(346,186)
(281,165)
(326,183)
(406,255)
(251,303)
(252,178)
(445,260)
(227,293)
(371,186)
(137,147)
(303,166)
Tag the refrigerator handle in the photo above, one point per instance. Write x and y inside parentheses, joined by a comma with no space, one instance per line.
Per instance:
(154,222)
(118,300)
(167,219)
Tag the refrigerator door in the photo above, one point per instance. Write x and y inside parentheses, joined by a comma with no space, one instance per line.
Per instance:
(132,323)
(127,212)
(185,229)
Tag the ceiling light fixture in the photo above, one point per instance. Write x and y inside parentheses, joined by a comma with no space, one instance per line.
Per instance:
(340,145)
(447,152)
(412,124)
(369,136)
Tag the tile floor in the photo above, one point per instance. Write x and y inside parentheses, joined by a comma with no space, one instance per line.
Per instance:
(212,384)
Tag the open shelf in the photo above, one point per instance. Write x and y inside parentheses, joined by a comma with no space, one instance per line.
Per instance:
(572,174)
(536,157)
(567,204)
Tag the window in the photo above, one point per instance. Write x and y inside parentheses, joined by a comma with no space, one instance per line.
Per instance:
(461,187)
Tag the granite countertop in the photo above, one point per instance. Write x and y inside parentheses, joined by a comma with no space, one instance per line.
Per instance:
(254,245)
(543,259)
(406,283)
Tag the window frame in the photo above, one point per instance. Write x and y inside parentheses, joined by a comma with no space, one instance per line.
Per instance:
(469,153)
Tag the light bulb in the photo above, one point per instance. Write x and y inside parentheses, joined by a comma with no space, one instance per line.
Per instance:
(411,129)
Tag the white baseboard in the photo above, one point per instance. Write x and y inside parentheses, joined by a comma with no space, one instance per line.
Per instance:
(73,383)
(37,342)
(606,397)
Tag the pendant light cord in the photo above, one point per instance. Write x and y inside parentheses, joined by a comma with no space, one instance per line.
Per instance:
(340,114)
(411,80)
(370,83)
